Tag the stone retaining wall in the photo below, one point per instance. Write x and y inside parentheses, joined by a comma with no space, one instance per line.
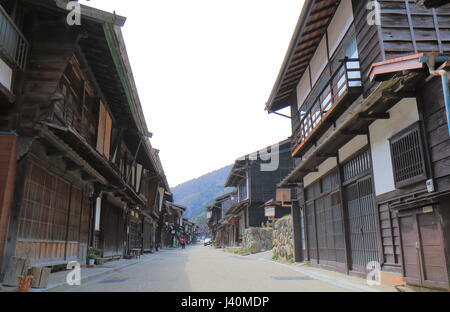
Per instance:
(283,240)
(257,239)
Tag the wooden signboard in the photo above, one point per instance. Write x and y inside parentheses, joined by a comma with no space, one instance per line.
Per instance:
(270,212)
(284,195)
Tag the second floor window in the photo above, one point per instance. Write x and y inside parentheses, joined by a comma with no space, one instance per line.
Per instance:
(408,159)
(243,192)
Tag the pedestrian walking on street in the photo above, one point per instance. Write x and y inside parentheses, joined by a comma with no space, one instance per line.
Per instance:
(183,243)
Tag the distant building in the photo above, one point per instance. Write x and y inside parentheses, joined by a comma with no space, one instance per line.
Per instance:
(255,178)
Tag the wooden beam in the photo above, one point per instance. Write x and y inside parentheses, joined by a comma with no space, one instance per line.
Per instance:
(309,171)
(374,116)
(354,132)
(327,155)
(52,152)
(398,95)
(70,167)
(87,177)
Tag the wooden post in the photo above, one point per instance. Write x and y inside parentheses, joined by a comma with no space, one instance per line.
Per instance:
(297,228)
(11,239)
(8,143)
(344,217)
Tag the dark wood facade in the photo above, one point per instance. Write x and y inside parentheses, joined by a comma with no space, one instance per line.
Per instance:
(392,212)
(255,178)
(79,170)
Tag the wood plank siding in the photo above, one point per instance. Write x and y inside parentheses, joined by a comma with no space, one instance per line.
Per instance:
(435,121)
(52,215)
(368,41)
(408,28)
(8,144)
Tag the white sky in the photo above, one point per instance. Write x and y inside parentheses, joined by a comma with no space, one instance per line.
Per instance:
(204,70)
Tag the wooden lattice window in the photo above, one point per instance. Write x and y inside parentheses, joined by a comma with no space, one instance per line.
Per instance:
(358,166)
(408,161)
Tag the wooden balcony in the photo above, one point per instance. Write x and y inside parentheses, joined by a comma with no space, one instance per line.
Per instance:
(341,89)
(13,45)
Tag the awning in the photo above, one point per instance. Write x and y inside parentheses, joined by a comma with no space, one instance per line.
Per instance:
(78,144)
(315,17)
(424,200)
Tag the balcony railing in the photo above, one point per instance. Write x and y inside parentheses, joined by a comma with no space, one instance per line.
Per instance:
(345,81)
(13,44)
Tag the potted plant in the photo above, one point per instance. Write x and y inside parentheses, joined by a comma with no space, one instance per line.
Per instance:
(91,260)
(24,279)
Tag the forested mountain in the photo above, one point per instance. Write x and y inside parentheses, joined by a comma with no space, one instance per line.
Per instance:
(196,194)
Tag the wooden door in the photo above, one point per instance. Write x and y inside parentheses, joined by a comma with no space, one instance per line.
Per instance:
(363,227)
(423,251)
(311,232)
(43,221)
(135,237)
(329,230)
(112,228)
(410,240)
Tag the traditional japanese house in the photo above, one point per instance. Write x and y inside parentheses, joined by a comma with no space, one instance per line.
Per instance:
(162,237)
(172,224)
(256,177)
(189,231)
(69,179)
(370,137)
(213,216)
(220,226)
(155,187)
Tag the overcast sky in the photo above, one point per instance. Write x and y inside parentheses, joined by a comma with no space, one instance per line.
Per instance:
(204,70)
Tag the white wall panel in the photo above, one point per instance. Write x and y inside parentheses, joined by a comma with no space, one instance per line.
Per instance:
(303,88)
(402,115)
(341,22)
(324,168)
(5,75)
(319,61)
(349,149)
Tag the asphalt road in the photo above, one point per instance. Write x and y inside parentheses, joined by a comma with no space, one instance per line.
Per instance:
(204,269)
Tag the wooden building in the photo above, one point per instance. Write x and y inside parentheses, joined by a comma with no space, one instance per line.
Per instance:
(171,224)
(370,137)
(69,178)
(255,178)
(189,231)
(218,215)
(156,189)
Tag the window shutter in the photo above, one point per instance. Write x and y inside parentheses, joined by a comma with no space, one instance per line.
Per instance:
(101,128)
(104,131)
(107,142)
(408,161)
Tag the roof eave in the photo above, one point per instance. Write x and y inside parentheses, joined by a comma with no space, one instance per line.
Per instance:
(95,14)
(270,105)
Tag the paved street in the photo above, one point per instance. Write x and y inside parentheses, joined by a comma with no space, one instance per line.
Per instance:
(204,269)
